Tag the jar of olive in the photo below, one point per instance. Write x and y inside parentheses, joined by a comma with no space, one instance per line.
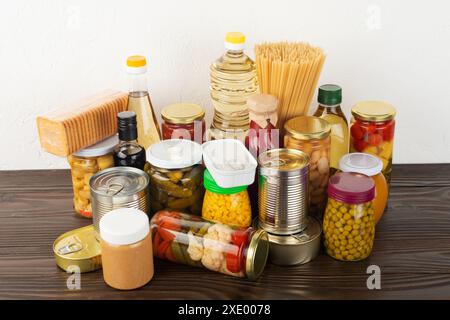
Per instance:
(176,176)
(349,221)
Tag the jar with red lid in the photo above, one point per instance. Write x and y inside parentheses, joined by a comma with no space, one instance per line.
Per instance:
(349,221)
(183,121)
(372,131)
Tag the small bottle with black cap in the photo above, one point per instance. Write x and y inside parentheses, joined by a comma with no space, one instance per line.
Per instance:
(128,153)
(329,109)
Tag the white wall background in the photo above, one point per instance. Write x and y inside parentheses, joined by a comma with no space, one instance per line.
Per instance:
(53,52)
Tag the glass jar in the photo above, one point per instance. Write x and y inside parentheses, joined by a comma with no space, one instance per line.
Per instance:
(188,239)
(176,175)
(371,166)
(329,98)
(183,121)
(84,164)
(372,131)
(312,136)
(226,205)
(349,221)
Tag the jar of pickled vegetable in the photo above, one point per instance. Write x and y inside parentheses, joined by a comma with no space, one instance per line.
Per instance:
(183,121)
(226,205)
(190,240)
(84,164)
(372,131)
(312,136)
(371,166)
(349,221)
(176,175)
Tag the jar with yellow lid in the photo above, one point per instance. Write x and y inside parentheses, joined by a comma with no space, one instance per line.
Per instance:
(183,121)
(83,165)
(372,131)
(226,205)
(312,136)
(349,223)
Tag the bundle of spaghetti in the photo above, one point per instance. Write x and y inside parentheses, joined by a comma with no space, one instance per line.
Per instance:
(290,71)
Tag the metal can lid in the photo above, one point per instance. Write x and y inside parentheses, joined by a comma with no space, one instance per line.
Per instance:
(307,128)
(257,253)
(310,233)
(99,149)
(182,113)
(78,248)
(283,159)
(118,182)
(377,111)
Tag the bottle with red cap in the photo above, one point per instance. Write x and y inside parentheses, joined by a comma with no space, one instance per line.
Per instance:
(349,221)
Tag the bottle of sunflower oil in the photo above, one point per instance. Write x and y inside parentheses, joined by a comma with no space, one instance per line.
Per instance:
(233,81)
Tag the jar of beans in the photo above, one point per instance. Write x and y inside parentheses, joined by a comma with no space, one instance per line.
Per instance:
(349,221)
(312,136)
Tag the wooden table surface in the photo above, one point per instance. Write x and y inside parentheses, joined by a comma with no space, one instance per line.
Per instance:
(412,248)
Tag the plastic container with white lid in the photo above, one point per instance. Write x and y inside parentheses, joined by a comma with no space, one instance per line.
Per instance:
(229,162)
(176,175)
(127,255)
(84,164)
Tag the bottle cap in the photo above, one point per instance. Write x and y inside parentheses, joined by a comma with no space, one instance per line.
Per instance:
(364,163)
(330,94)
(235,41)
(136,64)
(351,188)
(126,124)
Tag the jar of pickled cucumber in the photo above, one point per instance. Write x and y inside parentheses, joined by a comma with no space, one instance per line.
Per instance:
(349,221)
(84,164)
(176,175)
(226,205)
(372,131)
(312,136)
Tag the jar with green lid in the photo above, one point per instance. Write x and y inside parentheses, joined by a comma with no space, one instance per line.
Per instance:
(312,136)
(330,98)
(226,205)
(372,131)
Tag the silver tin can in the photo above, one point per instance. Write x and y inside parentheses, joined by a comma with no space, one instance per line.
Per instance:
(283,191)
(118,187)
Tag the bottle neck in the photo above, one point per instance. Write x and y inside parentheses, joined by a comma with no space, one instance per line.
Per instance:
(137,82)
(335,106)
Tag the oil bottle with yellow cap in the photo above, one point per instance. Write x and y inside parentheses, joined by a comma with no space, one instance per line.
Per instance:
(139,102)
(233,81)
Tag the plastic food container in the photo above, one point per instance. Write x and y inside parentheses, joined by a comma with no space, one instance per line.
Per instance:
(370,166)
(226,205)
(312,136)
(183,121)
(229,162)
(188,239)
(126,245)
(176,176)
(84,164)
(372,131)
(349,221)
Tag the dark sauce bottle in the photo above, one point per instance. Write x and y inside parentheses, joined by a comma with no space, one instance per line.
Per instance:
(128,153)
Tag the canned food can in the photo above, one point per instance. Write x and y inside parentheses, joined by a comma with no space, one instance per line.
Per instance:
(283,191)
(118,187)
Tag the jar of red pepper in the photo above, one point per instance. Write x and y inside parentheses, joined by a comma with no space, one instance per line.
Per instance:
(183,121)
(372,131)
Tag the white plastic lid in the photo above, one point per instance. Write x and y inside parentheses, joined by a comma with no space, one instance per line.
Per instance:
(174,154)
(124,226)
(234,46)
(361,163)
(99,149)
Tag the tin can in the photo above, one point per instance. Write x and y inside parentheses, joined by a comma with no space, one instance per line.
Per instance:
(78,250)
(283,191)
(118,187)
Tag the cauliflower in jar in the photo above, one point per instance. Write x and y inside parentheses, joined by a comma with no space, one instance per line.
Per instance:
(214,241)
(195,248)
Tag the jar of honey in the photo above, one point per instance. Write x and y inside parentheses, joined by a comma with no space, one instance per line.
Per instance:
(183,121)
(370,166)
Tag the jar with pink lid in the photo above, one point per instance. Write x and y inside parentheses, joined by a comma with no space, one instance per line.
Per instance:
(349,221)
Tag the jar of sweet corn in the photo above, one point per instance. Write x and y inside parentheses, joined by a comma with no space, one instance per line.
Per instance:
(312,136)
(349,222)
(84,164)
(226,205)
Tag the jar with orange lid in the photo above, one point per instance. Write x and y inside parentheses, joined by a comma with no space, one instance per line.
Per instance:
(371,166)
(372,131)
(183,121)
(312,136)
